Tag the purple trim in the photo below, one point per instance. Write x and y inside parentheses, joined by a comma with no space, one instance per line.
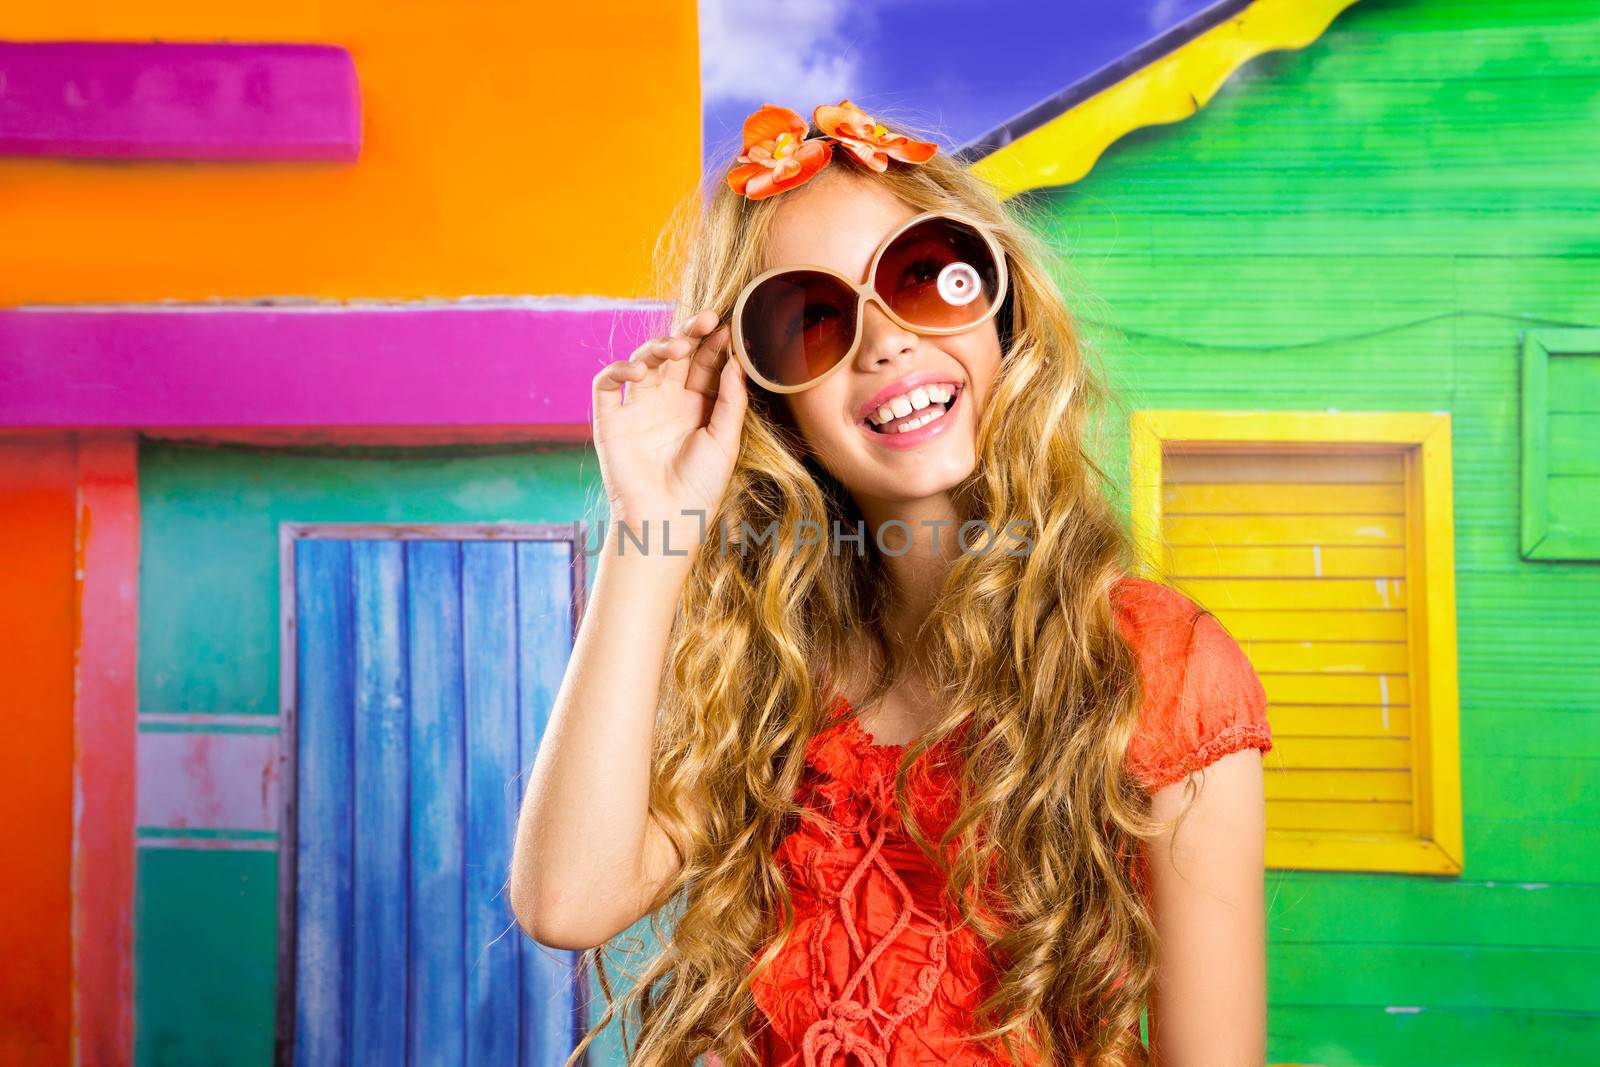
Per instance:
(453,365)
(117,100)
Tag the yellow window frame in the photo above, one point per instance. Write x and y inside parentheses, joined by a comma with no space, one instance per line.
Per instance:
(1423,440)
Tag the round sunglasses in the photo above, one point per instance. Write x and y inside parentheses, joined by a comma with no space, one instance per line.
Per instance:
(937,273)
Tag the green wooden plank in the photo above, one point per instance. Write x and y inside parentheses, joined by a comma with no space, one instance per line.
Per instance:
(1530,730)
(1531,850)
(1342,229)
(1525,16)
(1521,787)
(1561,48)
(1378,1036)
(1400,909)
(1436,976)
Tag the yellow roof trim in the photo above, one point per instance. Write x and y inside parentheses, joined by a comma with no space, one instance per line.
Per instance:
(1171,88)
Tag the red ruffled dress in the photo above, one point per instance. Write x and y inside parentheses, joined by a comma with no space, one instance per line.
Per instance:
(879,971)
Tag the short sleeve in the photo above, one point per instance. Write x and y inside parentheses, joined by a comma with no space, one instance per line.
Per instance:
(1202,697)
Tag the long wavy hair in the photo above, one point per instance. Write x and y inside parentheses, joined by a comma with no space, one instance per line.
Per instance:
(1022,649)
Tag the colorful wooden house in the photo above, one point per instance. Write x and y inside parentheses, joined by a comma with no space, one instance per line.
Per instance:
(294,395)
(293,472)
(1352,301)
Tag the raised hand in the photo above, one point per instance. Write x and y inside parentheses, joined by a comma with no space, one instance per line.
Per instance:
(667,443)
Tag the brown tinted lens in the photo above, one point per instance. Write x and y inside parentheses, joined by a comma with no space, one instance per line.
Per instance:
(938,274)
(797,325)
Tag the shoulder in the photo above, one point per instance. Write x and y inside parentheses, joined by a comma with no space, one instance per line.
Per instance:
(1202,698)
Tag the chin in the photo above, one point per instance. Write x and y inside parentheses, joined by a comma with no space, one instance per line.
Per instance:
(922,484)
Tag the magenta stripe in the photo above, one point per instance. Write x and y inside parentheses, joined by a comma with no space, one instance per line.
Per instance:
(452,365)
(124,100)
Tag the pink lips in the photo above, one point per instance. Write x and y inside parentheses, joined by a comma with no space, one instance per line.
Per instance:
(902,386)
(922,434)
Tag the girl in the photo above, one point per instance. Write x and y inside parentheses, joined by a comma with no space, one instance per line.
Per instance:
(866,702)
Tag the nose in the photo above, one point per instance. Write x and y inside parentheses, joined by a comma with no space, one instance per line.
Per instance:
(882,339)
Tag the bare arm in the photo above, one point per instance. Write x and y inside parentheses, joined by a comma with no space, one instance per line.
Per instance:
(588,858)
(1209,1006)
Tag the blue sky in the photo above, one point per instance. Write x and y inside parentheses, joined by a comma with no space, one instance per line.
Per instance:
(961,67)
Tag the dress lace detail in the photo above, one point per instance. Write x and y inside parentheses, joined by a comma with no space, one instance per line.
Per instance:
(879,971)
(839,1027)
(885,976)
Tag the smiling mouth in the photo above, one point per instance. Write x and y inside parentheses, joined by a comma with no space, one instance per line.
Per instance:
(918,418)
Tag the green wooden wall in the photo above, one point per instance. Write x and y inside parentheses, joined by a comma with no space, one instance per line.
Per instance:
(1367,225)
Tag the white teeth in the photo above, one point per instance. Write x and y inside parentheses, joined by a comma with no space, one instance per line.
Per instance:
(923,421)
(918,398)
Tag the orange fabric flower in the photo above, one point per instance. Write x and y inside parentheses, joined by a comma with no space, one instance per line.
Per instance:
(866,139)
(776,154)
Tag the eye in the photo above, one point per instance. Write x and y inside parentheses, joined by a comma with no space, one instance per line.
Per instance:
(814,315)
(920,272)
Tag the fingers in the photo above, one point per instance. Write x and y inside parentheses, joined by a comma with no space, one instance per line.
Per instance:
(727,416)
(706,368)
(659,350)
(701,324)
(638,369)
(609,382)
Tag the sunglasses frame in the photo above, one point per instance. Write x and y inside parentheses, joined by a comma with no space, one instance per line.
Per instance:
(865,292)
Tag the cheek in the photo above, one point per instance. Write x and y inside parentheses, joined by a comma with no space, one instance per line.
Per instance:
(806,418)
(815,412)
(979,355)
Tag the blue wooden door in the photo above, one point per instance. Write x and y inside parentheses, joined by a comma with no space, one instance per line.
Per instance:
(424,675)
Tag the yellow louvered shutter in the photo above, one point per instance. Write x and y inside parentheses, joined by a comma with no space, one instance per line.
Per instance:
(1314,559)
(1302,558)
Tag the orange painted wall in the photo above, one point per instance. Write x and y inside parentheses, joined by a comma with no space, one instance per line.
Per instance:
(37,638)
(511,147)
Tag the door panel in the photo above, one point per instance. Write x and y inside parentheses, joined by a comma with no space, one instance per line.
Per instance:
(424,676)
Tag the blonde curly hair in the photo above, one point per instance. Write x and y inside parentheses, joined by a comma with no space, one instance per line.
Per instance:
(1023,648)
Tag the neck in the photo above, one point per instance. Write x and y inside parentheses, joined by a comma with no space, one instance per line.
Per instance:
(919,549)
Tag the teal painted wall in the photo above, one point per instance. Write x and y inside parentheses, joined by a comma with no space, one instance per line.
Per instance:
(206,956)
(1367,225)
(206,919)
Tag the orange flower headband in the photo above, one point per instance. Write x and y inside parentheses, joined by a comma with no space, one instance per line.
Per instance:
(778,156)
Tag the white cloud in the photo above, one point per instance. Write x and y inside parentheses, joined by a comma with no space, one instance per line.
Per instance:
(793,53)
(1162,13)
